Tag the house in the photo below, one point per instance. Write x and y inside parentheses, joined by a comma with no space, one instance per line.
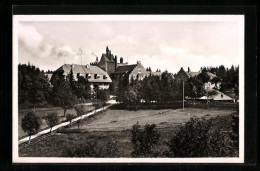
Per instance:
(94,75)
(183,75)
(108,62)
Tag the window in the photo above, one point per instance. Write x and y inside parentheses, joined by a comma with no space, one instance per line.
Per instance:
(139,70)
(87,75)
(78,74)
(104,77)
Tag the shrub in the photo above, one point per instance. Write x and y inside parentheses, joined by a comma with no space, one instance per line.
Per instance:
(197,139)
(144,140)
(109,150)
(52,119)
(87,149)
(90,148)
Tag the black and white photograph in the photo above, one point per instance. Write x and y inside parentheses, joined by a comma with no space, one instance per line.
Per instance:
(128,89)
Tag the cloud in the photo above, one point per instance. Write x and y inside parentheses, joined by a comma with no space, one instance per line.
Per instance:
(33,42)
(29,35)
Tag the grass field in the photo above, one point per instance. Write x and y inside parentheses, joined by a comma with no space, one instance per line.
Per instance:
(115,125)
(41,112)
(117,120)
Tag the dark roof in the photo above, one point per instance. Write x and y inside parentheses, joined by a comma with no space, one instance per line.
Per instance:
(124,69)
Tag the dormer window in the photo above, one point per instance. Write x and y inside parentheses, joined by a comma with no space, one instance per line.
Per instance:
(96,76)
(88,76)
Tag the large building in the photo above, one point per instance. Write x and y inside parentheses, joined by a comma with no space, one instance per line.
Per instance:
(108,62)
(94,75)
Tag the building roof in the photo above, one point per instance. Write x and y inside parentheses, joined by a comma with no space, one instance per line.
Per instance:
(106,58)
(86,69)
(219,96)
(124,69)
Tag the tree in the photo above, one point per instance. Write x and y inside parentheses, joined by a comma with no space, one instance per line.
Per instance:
(97,104)
(62,94)
(69,117)
(31,124)
(103,96)
(80,109)
(52,119)
(82,88)
(204,77)
(194,87)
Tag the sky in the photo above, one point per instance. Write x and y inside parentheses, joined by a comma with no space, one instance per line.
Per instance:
(164,45)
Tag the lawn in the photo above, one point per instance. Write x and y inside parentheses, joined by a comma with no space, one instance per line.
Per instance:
(41,112)
(115,125)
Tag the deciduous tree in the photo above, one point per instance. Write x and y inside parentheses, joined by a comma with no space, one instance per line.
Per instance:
(52,119)
(31,123)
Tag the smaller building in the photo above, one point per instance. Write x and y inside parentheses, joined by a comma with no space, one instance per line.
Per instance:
(94,75)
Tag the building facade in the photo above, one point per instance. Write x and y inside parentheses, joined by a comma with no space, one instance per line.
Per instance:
(95,76)
(135,71)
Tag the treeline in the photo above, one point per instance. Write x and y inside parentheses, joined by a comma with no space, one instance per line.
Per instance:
(166,89)
(229,76)
(152,89)
(35,89)
(33,85)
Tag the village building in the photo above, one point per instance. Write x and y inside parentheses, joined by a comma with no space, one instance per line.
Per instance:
(108,62)
(183,75)
(135,71)
(94,75)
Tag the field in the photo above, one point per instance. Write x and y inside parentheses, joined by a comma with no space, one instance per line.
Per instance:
(42,112)
(117,120)
(115,125)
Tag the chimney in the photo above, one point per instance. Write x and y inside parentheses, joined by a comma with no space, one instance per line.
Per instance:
(115,62)
(121,60)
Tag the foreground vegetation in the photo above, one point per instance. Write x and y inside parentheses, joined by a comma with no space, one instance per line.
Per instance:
(206,136)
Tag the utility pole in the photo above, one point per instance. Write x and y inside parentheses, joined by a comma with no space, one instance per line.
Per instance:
(183,96)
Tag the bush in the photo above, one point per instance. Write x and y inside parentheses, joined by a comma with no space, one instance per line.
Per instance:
(88,149)
(144,140)
(197,139)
